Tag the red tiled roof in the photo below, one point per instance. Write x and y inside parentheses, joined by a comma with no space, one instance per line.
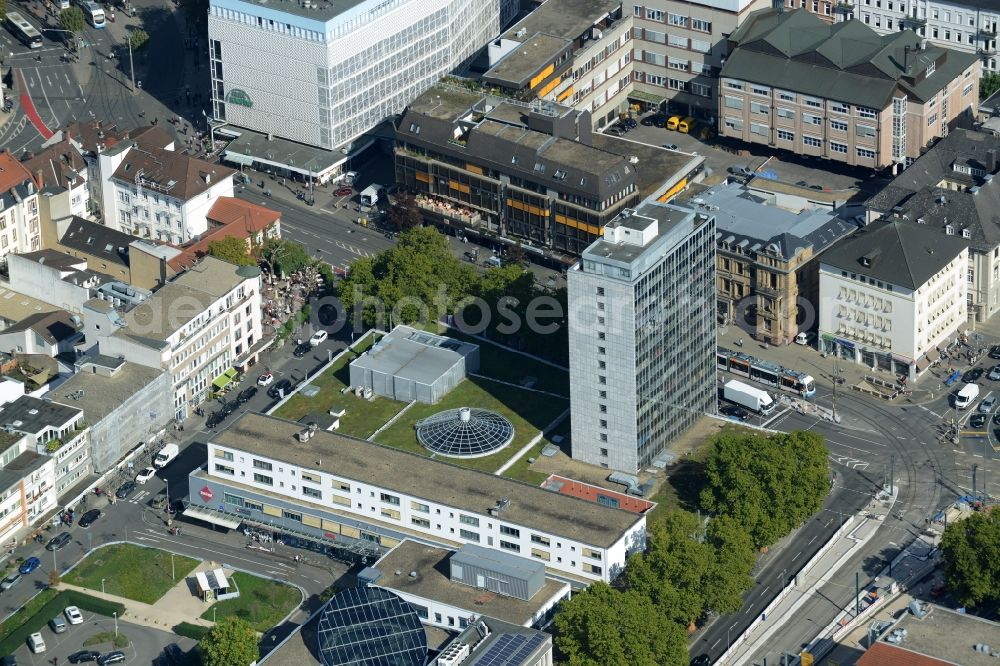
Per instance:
(590,493)
(883,654)
(238,218)
(12,172)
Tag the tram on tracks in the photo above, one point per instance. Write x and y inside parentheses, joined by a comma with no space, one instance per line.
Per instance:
(765,372)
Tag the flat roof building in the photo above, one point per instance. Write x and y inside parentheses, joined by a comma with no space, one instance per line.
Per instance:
(409,365)
(379,494)
(642,335)
(941,637)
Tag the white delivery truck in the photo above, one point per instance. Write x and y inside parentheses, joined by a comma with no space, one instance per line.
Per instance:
(744,395)
(967,396)
(166,454)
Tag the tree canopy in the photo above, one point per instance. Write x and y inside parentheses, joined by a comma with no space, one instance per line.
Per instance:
(404,213)
(971,549)
(600,626)
(769,484)
(284,257)
(71,19)
(231,642)
(988,84)
(232,249)
(138,38)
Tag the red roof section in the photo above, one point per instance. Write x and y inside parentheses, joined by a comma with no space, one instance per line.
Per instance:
(883,654)
(12,172)
(237,218)
(590,493)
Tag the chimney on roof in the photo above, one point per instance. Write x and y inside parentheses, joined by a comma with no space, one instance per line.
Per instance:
(991,160)
(39,179)
(208,177)
(906,58)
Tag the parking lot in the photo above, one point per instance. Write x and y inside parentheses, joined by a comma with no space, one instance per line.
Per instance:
(146,645)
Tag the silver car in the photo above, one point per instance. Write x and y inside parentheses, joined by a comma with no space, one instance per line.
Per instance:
(988,405)
(10,581)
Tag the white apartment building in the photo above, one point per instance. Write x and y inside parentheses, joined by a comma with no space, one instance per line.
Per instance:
(679,49)
(60,173)
(962,25)
(20,230)
(336,490)
(642,335)
(323,74)
(891,294)
(158,193)
(27,488)
(198,326)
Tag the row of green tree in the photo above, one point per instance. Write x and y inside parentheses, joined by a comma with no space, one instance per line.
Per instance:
(758,488)
(971,550)
(419,279)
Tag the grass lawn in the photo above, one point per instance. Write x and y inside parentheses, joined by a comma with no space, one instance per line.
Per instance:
(129,571)
(262,602)
(528,411)
(362,417)
(522,471)
(510,366)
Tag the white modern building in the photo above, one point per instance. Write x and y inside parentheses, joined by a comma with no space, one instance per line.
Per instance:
(891,294)
(27,489)
(20,230)
(642,335)
(198,326)
(159,193)
(337,490)
(962,25)
(324,73)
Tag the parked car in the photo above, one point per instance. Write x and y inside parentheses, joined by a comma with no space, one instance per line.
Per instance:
(125,490)
(57,624)
(988,405)
(669,146)
(59,541)
(972,375)
(116,657)
(246,394)
(738,170)
(978,421)
(284,385)
(215,419)
(302,350)
(701,660)
(995,352)
(804,338)
(228,409)
(36,643)
(29,565)
(145,475)
(344,192)
(10,581)
(87,519)
(318,338)
(734,412)
(649,121)
(84,656)
(629,122)
(265,379)
(74,615)
(994,373)
(615,130)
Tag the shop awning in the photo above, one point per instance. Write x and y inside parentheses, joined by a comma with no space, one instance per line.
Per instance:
(649,98)
(240,160)
(214,517)
(933,355)
(922,365)
(226,378)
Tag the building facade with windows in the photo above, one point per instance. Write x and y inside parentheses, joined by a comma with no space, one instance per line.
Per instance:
(337,490)
(642,335)
(963,25)
(679,48)
(955,191)
(842,93)
(198,326)
(27,486)
(323,74)
(891,294)
(575,52)
(20,228)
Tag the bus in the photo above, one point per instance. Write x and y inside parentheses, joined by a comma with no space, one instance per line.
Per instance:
(24,31)
(92,12)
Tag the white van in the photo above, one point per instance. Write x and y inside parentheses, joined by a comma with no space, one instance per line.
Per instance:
(967,396)
(36,643)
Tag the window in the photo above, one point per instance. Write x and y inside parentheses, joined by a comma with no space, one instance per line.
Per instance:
(864,130)
(678,41)
(759,129)
(840,107)
(786,96)
(838,125)
(508,545)
(224,455)
(784,112)
(865,112)
(734,124)
(654,14)
(812,141)
(734,102)
(970,275)
(510,531)
(734,85)
(468,520)
(311,478)
(838,147)
(266,480)
(390,513)
(865,153)
(756,107)
(701,89)
(758,90)
(312,492)
(701,45)
(340,485)
(813,102)
(785,135)
(678,64)
(931,119)
(701,25)
(421,522)
(260,464)
(967,89)
(536,538)
(812,119)
(256,506)
(225,469)
(677,19)
(469,535)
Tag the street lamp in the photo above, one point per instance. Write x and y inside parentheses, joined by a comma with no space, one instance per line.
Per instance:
(115,613)
(102,586)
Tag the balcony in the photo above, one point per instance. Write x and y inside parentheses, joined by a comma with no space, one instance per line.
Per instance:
(846,6)
(914,21)
(988,31)
(452,211)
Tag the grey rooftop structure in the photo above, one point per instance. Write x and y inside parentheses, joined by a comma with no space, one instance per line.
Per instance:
(946,635)
(101,390)
(15,306)
(98,240)
(847,62)
(34,415)
(320,10)
(902,254)
(748,221)
(249,147)
(408,364)
(439,482)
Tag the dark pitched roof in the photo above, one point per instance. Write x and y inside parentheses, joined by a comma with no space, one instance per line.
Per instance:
(58,165)
(94,136)
(98,240)
(53,326)
(895,252)
(171,173)
(847,62)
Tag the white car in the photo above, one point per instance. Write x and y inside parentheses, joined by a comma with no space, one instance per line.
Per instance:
(265,379)
(73,615)
(145,475)
(318,338)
